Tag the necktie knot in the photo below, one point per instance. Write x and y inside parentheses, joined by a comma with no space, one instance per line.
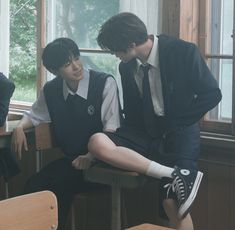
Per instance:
(145,69)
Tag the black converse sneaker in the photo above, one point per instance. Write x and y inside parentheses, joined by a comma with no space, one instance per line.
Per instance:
(185,185)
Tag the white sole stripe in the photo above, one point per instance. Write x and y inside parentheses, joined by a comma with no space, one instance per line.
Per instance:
(186,206)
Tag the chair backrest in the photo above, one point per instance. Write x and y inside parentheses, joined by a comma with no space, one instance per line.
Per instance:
(34,211)
(149,227)
(44,138)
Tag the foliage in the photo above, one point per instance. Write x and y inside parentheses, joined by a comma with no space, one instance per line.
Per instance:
(81,19)
(22,40)
(77,19)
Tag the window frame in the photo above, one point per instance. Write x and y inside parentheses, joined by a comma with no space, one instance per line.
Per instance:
(221,127)
(197,31)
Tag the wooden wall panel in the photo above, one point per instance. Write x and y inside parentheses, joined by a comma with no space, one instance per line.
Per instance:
(170,17)
(218,197)
(199,211)
(231,204)
(189,18)
(181,19)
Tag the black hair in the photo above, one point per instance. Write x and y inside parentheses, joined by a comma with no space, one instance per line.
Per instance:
(120,31)
(59,52)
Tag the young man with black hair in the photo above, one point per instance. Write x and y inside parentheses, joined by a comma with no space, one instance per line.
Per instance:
(79,102)
(167,88)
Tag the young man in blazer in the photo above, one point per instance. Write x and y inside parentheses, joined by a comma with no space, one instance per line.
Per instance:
(167,88)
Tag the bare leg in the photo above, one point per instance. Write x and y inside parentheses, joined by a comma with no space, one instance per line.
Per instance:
(104,149)
(172,213)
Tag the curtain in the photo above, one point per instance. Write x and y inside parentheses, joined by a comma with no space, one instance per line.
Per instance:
(4,36)
(149,11)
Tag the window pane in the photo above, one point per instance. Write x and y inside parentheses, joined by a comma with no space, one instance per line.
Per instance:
(222,69)
(23,49)
(101,62)
(78,19)
(221,43)
(221,27)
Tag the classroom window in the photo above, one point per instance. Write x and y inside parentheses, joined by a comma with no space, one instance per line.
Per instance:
(218,51)
(30,24)
(81,20)
(22,49)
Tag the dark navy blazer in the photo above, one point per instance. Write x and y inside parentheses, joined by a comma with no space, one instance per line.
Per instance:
(7,88)
(189,89)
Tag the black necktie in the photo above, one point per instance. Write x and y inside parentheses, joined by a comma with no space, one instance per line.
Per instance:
(71,100)
(149,114)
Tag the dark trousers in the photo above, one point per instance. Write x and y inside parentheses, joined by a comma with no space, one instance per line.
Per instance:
(61,178)
(180,147)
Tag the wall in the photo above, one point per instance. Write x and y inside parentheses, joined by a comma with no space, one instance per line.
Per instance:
(214,207)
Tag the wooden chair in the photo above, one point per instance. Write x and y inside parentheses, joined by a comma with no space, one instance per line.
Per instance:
(149,227)
(34,211)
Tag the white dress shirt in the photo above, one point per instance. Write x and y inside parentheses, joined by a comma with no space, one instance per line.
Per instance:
(154,78)
(109,109)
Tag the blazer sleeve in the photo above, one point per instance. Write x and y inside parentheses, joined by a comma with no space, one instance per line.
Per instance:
(205,87)
(7,88)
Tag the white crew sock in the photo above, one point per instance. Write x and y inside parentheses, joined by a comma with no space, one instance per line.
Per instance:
(158,170)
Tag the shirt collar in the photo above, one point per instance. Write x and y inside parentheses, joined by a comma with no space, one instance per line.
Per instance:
(82,89)
(153,58)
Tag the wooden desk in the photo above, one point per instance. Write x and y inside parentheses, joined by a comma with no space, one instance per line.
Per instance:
(117,179)
(6,131)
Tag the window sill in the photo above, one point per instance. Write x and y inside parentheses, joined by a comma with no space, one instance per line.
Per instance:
(218,140)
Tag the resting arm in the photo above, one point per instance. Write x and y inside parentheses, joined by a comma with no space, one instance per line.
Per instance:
(204,85)
(19,141)
(38,114)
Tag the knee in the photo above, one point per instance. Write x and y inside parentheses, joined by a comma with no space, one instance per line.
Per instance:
(99,144)
(96,143)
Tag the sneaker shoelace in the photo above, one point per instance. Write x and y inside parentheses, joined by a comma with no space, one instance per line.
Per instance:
(177,187)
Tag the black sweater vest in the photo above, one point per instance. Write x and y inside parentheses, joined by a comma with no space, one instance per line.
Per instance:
(74,121)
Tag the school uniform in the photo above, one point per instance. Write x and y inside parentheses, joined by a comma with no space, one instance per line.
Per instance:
(182,91)
(75,117)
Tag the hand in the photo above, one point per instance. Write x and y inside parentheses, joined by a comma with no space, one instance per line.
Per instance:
(82,162)
(18,141)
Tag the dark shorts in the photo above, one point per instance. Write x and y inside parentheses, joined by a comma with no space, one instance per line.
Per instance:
(178,148)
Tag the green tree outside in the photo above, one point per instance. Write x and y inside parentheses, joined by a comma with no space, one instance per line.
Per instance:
(76,19)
